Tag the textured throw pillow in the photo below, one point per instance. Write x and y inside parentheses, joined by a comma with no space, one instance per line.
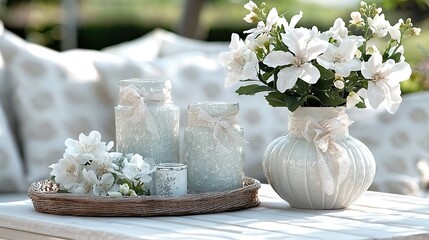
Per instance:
(55,96)
(399,142)
(5,96)
(11,170)
(113,68)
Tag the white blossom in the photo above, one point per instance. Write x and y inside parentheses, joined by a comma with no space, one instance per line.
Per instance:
(356,18)
(114,194)
(251,6)
(379,25)
(88,147)
(240,62)
(384,89)
(395,31)
(339,29)
(272,20)
(341,59)
(339,84)
(353,99)
(66,171)
(101,165)
(124,189)
(85,186)
(138,169)
(304,47)
(416,31)
(262,41)
(104,185)
(264,27)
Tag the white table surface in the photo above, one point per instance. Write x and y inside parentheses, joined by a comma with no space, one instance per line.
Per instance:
(374,216)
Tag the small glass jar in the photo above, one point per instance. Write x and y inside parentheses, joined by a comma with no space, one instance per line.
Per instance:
(214,151)
(147,121)
(170,179)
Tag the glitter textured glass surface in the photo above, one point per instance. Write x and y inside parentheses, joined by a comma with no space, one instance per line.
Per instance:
(170,179)
(214,151)
(146,120)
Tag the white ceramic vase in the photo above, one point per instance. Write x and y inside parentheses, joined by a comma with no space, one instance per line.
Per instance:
(317,164)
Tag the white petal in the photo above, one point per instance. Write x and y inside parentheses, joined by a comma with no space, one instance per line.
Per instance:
(347,49)
(272,17)
(231,78)
(325,62)
(250,5)
(376,95)
(279,58)
(394,99)
(249,71)
(310,73)
(352,99)
(294,20)
(287,78)
(95,136)
(235,39)
(225,58)
(316,47)
(399,72)
(372,66)
(342,70)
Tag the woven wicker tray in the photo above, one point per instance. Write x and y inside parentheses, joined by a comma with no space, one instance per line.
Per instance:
(47,200)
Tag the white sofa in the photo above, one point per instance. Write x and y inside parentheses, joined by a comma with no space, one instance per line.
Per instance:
(49,96)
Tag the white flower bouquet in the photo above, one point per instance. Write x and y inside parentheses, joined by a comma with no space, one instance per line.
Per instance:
(306,67)
(87,167)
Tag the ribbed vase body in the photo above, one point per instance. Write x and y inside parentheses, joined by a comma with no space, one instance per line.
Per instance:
(315,167)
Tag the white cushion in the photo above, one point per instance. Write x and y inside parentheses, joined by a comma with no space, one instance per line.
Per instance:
(399,142)
(11,169)
(56,96)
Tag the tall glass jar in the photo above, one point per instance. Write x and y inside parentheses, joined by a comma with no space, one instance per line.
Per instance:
(214,151)
(147,121)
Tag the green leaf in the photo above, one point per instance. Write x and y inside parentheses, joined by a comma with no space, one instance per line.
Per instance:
(396,57)
(276,99)
(293,103)
(324,84)
(330,98)
(266,76)
(252,89)
(301,87)
(325,73)
(361,105)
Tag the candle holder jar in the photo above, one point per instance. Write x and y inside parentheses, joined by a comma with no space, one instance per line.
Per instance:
(170,179)
(214,151)
(147,121)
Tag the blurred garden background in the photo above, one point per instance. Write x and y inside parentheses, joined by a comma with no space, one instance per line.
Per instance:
(96,24)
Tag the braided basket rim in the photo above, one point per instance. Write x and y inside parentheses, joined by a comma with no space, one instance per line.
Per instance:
(51,202)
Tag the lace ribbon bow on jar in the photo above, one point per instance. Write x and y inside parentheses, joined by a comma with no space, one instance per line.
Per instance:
(222,127)
(138,99)
(326,135)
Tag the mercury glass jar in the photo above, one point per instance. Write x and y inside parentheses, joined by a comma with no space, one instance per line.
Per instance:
(170,179)
(214,151)
(147,121)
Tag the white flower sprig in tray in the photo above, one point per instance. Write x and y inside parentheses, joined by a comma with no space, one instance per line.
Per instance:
(88,167)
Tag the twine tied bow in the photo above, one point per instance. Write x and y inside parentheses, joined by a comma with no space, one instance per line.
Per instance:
(222,127)
(325,135)
(140,112)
